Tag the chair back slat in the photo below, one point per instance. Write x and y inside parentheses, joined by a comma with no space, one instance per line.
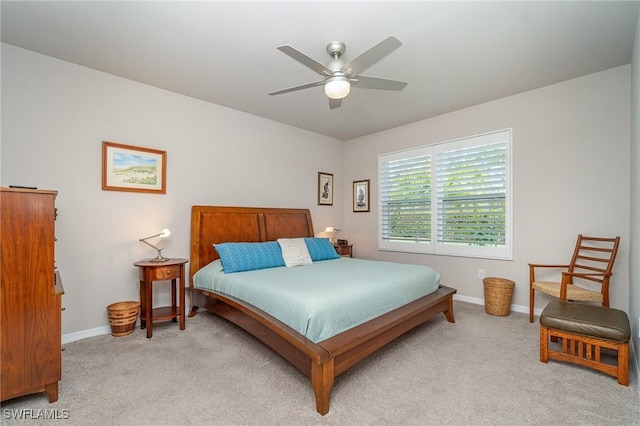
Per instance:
(594,259)
(589,268)
(598,249)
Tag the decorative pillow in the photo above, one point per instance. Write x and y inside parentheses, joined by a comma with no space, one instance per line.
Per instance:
(294,252)
(238,257)
(321,249)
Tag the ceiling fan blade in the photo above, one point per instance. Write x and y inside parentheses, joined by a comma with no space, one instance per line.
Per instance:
(363,82)
(293,89)
(371,56)
(305,60)
(334,103)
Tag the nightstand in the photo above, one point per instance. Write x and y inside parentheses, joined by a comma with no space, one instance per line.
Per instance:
(172,269)
(345,250)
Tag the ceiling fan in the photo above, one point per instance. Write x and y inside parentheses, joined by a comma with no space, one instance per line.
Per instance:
(338,77)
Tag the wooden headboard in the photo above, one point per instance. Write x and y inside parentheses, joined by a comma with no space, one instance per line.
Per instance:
(214,224)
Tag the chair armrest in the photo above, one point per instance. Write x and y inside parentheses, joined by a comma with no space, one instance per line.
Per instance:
(539,265)
(532,270)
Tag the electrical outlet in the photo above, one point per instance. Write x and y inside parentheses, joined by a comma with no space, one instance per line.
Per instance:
(480,274)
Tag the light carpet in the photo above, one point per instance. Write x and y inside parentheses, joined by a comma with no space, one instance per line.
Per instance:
(482,370)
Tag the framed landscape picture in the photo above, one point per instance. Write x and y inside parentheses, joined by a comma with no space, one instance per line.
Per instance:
(133,169)
(361,196)
(325,189)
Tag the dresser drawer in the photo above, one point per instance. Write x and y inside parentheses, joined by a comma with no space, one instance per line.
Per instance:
(165,272)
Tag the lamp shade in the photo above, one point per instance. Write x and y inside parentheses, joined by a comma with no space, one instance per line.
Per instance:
(337,87)
(329,232)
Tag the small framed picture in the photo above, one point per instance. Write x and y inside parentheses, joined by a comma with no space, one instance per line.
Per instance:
(325,189)
(361,196)
(133,169)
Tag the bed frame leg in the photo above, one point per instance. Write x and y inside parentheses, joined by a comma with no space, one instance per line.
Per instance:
(193,312)
(449,312)
(322,376)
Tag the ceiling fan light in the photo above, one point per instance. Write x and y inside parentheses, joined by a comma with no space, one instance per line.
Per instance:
(337,87)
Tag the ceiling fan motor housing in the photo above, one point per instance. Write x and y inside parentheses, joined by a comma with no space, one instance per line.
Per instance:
(335,49)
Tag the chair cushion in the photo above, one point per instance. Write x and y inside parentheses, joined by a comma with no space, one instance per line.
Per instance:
(588,320)
(574,292)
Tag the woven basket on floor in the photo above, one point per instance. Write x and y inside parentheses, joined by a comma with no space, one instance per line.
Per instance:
(497,295)
(122,317)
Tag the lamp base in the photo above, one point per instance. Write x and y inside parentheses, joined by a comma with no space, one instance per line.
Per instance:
(158,259)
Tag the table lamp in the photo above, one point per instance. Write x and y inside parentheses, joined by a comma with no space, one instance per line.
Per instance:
(163,234)
(332,233)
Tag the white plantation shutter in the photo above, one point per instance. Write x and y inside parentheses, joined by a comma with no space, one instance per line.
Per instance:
(452,198)
(405,196)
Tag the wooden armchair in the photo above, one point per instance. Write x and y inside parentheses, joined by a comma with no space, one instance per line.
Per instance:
(592,261)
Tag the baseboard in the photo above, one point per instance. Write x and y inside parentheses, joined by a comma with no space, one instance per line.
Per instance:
(85,334)
(478,301)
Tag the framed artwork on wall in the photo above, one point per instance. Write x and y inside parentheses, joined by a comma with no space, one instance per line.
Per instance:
(325,189)
(133,169)
(361,196)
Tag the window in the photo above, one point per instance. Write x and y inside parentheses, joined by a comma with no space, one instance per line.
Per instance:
(451,198)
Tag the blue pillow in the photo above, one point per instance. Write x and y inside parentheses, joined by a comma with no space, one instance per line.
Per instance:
(321,249)
(238,257)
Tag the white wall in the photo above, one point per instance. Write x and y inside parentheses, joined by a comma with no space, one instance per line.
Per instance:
(571,175)
(55,116)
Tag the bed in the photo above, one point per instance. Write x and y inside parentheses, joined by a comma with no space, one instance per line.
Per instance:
(322,361)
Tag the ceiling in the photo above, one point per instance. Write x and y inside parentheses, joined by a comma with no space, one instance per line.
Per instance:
(454,54)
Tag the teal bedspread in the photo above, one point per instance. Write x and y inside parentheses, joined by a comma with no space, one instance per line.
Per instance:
(327,297)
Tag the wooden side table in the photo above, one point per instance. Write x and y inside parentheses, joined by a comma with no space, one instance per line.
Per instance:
(172,269)
(345,250)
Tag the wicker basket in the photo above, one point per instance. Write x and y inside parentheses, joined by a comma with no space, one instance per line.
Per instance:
(497,295)
(122,317)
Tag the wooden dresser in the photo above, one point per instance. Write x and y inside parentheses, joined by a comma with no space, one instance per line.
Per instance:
(31,295)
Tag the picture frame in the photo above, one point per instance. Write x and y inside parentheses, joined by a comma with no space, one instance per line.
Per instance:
(361,197)
(325,189)
(133,168)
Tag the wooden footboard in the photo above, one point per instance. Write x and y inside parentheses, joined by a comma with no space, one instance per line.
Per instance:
(324,361)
